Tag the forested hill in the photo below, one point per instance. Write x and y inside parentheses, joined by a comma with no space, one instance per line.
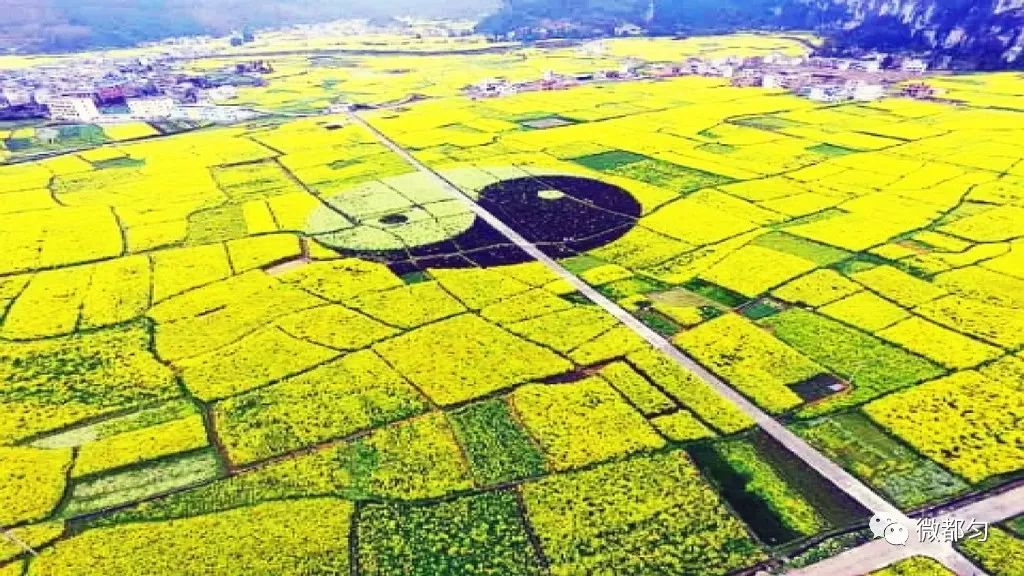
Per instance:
(64,25)
(984,34)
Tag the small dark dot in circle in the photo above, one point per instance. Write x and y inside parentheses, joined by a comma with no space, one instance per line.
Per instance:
(393,219)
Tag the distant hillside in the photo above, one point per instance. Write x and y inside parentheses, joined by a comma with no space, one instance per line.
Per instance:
(662,16)
(982,34)
(64,25)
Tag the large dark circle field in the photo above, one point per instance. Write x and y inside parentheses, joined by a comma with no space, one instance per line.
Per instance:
(561,215)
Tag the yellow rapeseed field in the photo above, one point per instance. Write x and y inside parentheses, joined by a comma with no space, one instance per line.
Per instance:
(300,341)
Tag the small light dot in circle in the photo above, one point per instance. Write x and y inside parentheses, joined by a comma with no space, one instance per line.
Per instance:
(551,194)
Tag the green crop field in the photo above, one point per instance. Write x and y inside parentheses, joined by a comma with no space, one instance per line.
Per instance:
(280,348)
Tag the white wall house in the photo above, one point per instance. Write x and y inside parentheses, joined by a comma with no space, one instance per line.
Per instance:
(17,96)
(827,93)
(914,66)
(73,109)
(771,81)
(151,108)
(215,114)
(222,93)
(868,92)
(42,95)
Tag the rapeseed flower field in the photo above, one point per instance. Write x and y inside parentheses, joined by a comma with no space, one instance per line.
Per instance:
(280,348)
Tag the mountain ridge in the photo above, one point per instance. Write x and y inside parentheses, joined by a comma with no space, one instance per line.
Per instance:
(962,34)
(972,34)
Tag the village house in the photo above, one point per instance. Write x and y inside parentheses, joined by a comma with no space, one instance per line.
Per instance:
(73,109)
(866,92)
(828,93)
(153,108)
(914,66)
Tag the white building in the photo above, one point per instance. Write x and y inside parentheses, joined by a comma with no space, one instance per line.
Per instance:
(771,81)
(698,67)
(491,86)
(151,108)
(73,109)
(827,93)
(214,114)
(868,92)
(17,96)
(42,95)
(629,30)
(221,93)
(341,108)
(872,65)
(631,67)
(914,66)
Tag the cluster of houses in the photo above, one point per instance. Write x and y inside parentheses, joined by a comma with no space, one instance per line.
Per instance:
(551,80)
(112,90)
(109,88)
(820,79)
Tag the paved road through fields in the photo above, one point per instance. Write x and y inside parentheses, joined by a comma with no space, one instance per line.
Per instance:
(878,554)
(842,479)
